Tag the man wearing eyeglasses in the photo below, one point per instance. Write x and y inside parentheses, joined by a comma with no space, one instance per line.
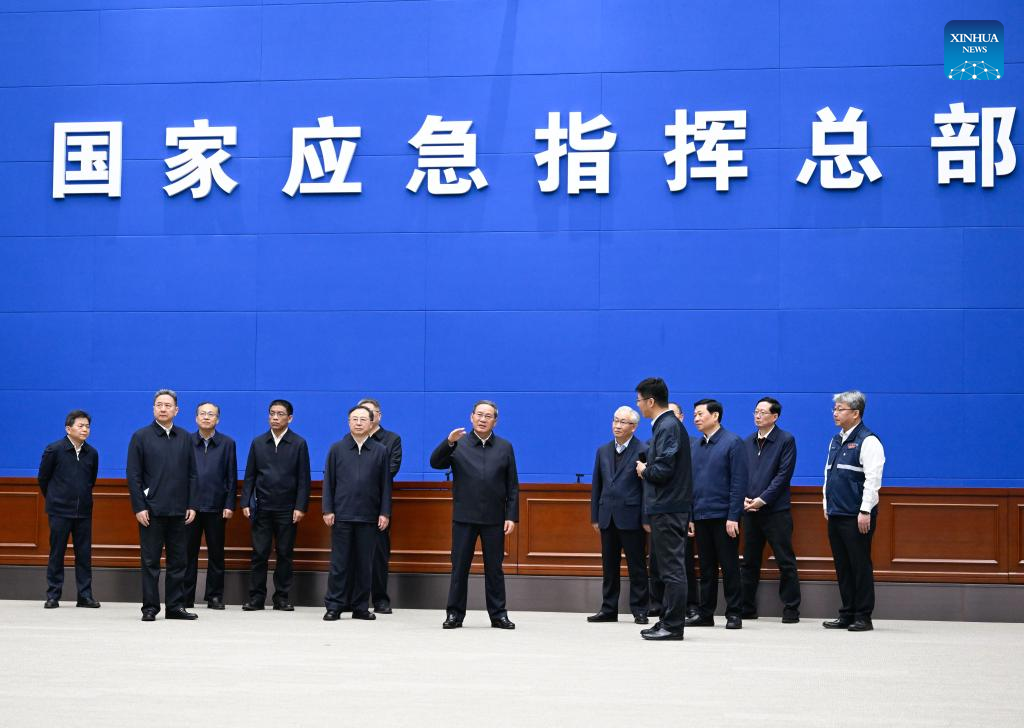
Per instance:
(771,459)
(217,468)
(853,477)
(485,505)
(616,502)
(275,496)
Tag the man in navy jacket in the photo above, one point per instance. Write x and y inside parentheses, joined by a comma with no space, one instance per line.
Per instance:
(616,501)
(67,474)
(771,459)
(719,482)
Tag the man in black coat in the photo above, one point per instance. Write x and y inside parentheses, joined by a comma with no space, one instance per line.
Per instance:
(161,475)
(616,502)
(356,506)
(275,496)
(217,468)
(382,553)
(67,474)
(485,505)
(668,495)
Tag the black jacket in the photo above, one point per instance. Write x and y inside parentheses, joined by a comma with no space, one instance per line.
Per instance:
(161,471)
(277,476)
(357,482)
(393,442)
(617,492)
(217,466)
(486,483)
(770,473)
(668,481)
(67,480)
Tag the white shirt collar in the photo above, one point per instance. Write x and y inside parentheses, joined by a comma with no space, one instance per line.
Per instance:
(620,448)
(277,440)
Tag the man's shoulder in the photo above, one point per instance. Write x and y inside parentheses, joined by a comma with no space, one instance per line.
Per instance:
(58,445)
(295,437)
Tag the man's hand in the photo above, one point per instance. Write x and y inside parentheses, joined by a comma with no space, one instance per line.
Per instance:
(647,527)
(596,527)
(297,516)
(690,531)
(382,522)
(226,514)
(190,515)
(732,528)
(143,518)
(509,527)
(245,511)
(826,515)
(753,504)
(455,435)
(329,519)
(863,522)
(640,468)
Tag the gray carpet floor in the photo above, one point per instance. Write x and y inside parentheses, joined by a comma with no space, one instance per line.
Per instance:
(80,667)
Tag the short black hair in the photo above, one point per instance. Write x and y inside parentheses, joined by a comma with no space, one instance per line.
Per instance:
(284,403)
(74,415)
(773,404)
(364,408)
(654,388)
(713,406)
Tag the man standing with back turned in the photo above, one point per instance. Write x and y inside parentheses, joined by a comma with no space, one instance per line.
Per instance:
(668,492)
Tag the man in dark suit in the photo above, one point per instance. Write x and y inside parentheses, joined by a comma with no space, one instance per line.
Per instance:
(217,468)
(161,475)
(692,585)
(382,553)
(275,496)
(668,491)
(485,505)
(356,506)
(615,512)
(771,459)
(67,474)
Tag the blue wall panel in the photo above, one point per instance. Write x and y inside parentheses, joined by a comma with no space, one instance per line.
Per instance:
(553,304)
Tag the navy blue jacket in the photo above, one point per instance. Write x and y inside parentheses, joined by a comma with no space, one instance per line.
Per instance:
(67,480)
(668,481)
(770,472)
(217,466)
(617,493)
(357,482)
(277,476)
(485,487)
(161,471)
(719,476)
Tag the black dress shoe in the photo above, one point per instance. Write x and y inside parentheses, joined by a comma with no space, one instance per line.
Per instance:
(364,614)
(180,613)
(332,615)
(148,615)
(382,609)
(836,624)
(253,607)
(284,607)
(451,622)
(692,613)
(87,602)
(640,618)
(699,621)
(790,618)
(733,623)
(502,623)
(861,625)
(51,604)
(650,630)
(215,603)
(661,635)
(603,617)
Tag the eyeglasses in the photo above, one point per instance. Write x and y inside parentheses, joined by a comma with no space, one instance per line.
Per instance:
(762,413)
(274,413)
(617,421)
(483,415)
(842,409)
(206,413)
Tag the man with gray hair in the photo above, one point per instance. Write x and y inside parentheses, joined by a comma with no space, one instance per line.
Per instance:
(853,477)
(616,499)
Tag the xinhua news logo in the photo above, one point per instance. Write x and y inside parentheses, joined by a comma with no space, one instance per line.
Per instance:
(974,50)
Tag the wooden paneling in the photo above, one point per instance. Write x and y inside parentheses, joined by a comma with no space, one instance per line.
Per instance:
(924,534)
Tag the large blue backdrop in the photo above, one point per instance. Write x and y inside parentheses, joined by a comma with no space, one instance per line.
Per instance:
(555,305)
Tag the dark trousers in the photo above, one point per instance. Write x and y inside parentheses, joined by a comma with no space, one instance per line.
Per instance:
(692,585)
(492,542)
(170,533)
(851,553)
(80,530)
(352,551)
(668,544)
(273,526)
(776,529)
(381,559)
(213,525)
(613,542)
(717,549)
